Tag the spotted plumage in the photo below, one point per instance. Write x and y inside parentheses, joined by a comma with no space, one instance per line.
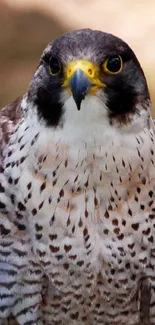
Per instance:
(77,190)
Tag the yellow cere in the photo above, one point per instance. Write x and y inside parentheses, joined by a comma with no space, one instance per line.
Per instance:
(90,69)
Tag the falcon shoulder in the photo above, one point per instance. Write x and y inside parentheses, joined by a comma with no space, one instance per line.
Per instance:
(10,115)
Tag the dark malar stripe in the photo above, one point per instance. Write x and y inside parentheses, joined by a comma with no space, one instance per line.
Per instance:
(2,205)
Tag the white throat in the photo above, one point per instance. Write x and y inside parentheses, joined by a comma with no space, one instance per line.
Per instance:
(87,133)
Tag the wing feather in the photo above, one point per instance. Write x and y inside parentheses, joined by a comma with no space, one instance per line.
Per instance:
(10,115)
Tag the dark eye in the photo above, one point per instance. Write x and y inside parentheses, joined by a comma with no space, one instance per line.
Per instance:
(54,66)
(113,65)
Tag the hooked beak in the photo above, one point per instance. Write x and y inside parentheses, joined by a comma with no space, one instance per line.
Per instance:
(82,78)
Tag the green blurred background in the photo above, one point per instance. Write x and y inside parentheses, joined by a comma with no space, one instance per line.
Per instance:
(26,26)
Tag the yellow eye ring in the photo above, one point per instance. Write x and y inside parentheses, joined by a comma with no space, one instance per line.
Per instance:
(113,65)
(54,66)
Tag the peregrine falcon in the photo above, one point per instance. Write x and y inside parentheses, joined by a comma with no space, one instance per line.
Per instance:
(77,189)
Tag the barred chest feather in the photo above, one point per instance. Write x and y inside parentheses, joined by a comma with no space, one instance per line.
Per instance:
(88,211)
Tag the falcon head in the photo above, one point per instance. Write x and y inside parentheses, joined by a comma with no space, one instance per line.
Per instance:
(92,75)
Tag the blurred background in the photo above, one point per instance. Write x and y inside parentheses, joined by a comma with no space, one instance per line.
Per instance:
(26,26)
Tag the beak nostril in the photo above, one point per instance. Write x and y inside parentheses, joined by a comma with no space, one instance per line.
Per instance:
(90,71)
(69,73)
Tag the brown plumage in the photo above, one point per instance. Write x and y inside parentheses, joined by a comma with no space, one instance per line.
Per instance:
(77,191)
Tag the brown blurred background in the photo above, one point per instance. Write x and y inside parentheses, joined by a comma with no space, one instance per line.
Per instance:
(26,26)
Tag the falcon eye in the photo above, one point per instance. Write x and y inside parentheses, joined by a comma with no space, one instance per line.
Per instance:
(54,66)
(113,65)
